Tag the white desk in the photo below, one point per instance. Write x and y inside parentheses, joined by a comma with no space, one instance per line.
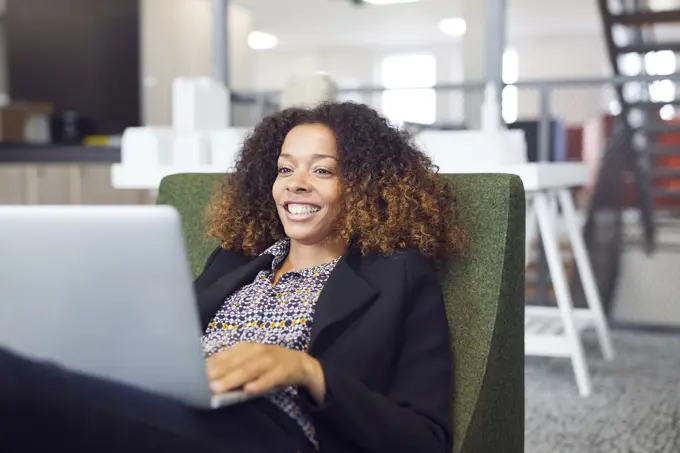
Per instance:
(556,331)
(535,176)
(149,177)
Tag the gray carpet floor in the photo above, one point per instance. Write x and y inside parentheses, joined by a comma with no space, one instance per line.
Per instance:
(634,408)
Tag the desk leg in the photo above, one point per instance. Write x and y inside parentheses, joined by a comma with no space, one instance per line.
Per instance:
(546,227)
(585,270)
(554,213)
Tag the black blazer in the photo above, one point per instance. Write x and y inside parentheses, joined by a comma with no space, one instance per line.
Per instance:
(381,335)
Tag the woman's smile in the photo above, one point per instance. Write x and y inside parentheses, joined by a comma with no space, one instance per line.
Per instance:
(300,212)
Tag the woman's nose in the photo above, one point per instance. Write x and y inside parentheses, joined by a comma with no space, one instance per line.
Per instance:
(298,183)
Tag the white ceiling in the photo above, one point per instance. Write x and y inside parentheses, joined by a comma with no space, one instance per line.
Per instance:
(320,23)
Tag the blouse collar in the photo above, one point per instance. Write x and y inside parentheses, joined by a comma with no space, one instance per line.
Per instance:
(280,250)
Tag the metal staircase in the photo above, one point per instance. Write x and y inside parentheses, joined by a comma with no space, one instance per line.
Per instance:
(631,27)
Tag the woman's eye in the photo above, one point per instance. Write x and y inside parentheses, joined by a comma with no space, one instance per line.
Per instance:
(283,170)
(323,171)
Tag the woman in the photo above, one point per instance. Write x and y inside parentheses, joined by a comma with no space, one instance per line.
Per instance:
(321,301)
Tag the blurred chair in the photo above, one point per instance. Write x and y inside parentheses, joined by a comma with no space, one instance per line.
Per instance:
(484,294)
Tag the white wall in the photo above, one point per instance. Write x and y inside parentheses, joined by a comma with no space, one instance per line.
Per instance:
(563,58)
(550,57)
(176,42)
(355,66)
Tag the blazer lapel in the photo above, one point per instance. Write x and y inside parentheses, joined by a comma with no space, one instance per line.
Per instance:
(211,299)
(344,294)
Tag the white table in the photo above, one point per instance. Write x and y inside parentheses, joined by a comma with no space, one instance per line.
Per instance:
(555,331)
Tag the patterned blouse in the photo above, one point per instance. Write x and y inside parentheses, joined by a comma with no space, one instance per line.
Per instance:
(280,314)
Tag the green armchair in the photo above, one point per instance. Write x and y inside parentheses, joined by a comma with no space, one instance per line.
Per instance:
(484,295)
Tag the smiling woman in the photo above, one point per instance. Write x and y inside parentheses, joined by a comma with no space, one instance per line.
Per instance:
(340,218)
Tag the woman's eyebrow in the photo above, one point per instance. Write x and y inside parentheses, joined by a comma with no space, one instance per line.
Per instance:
(314,156)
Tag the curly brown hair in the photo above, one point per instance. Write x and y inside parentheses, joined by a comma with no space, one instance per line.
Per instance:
(395,199)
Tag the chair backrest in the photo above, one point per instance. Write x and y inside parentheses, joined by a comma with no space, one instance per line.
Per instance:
(485,300)
(484,295)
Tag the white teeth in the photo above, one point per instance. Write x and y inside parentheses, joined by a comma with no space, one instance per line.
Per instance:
(300,209)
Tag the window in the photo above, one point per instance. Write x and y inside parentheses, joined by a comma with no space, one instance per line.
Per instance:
(510,96)
(409,96)
(630,64)
(662,63)
(653,63)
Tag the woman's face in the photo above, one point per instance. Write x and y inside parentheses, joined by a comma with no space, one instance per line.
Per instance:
(307,189)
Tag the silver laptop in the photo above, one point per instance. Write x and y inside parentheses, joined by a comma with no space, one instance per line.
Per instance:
(105,291)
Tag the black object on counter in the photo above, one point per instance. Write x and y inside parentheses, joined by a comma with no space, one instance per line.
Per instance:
(70,128)
(556,141)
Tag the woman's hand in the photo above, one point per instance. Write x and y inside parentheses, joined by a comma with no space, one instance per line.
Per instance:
(259,368)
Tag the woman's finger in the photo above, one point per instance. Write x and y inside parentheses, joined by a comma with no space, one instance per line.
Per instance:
(234,378)
(275,377)
(223,362)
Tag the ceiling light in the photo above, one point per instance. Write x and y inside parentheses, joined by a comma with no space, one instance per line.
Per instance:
(388,2)
(453,26)
(259,40)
